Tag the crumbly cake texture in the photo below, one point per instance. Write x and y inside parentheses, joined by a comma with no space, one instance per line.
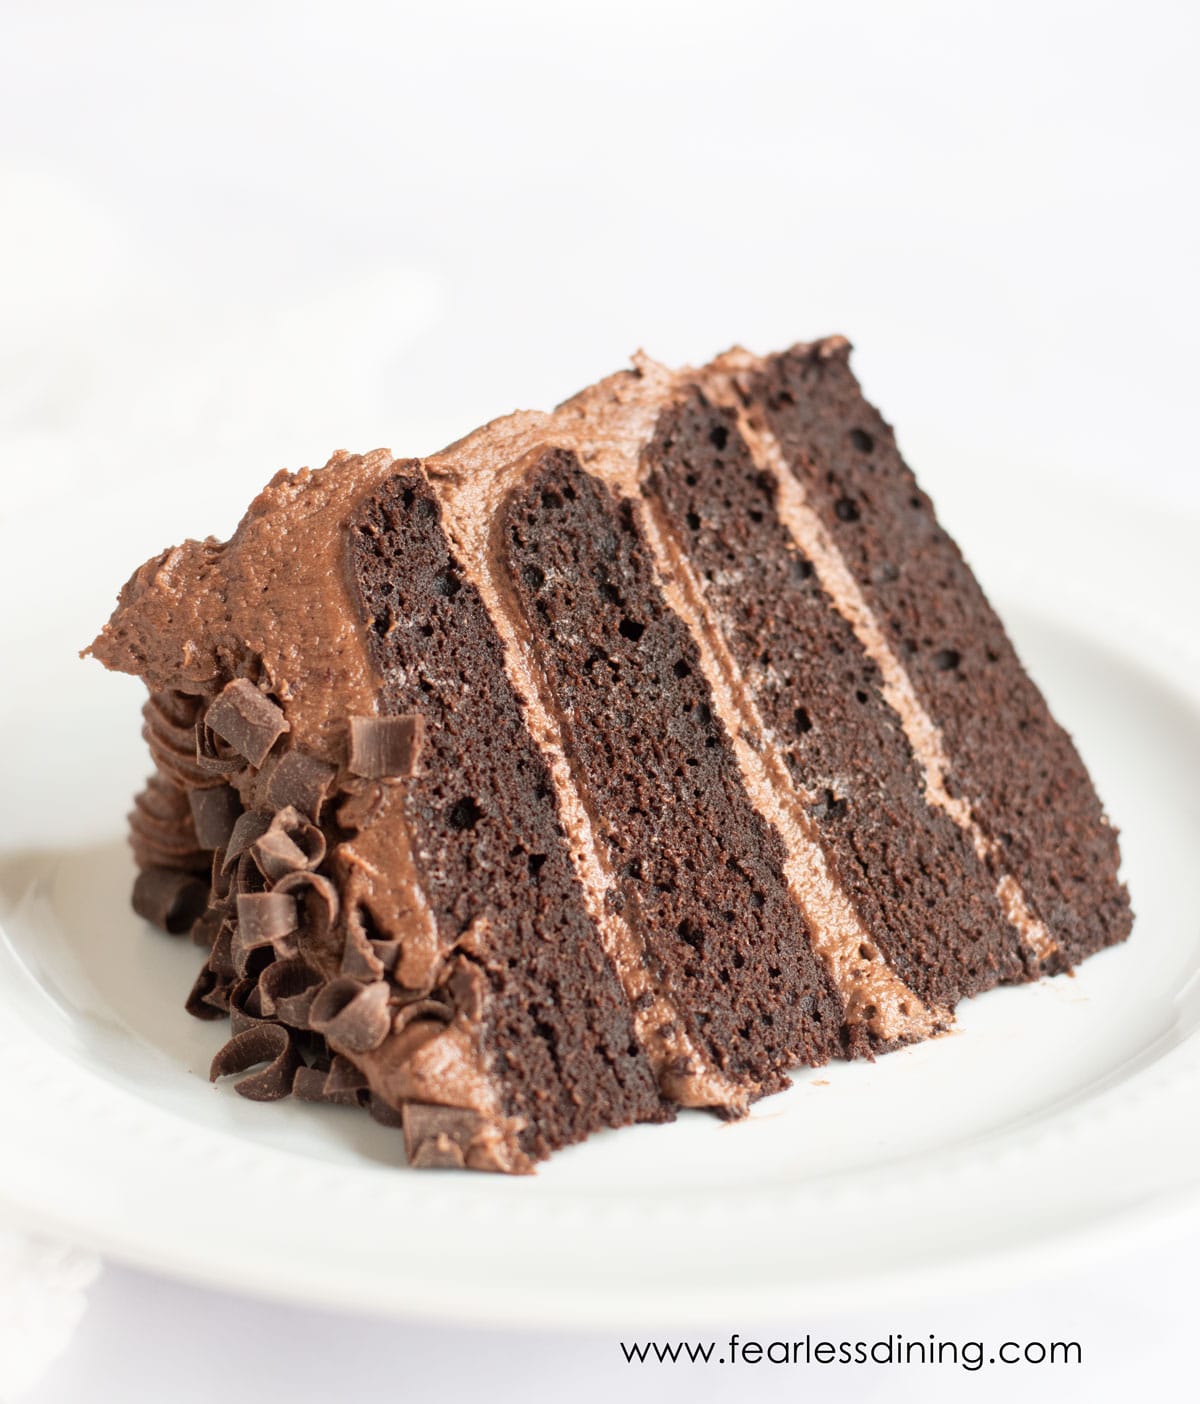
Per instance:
(613,760)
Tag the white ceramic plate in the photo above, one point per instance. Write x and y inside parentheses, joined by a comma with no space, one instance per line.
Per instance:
(1054,1116)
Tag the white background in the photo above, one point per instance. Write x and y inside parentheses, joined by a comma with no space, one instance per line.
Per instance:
(237,237)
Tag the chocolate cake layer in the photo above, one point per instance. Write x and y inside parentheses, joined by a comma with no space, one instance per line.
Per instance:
(1014,765)
(700,873)
(921,891)
(490,849)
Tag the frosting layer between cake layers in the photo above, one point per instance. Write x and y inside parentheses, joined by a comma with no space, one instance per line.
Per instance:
(613,760)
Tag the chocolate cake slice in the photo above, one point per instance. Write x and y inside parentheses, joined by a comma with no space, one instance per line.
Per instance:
(612,761)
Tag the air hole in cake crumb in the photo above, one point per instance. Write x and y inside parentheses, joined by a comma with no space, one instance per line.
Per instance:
(861,440)
(846,509)
(718,436)
(915,502)
(465,814)
(630,629)
(802,720)
(829,806)
(426,631)
(693,521)
(681,669)
(861,696)
(534,576)
(609,592)
(946,658)
(869,1011)
(551,501)
(446,583)
(691,936)
(802,567)
(535,863)
(754,514)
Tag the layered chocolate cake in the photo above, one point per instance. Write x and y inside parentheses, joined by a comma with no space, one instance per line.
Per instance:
(612,761)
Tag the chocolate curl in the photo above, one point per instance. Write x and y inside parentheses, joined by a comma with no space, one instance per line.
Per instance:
(287,989)
(344,1079)
(291,844)
(220,958)
(214,755)
(317,908)
(309,1084)
(198,1003)
(263,919)
(221,880)
(170,898)
(300,781)
(383,748)
(215,811)
(352,1015)
(246,719)
(245,1004)
(249,828)
(204,932)
(383,1112)
(342,1084)
(248,876)
(360,960)
(438,1138)
(260,1043)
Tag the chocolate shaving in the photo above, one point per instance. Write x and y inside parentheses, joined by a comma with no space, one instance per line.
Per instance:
(383,1112)
(204,932)
(287,989)
(359,958)
(249,828)
(198,1003)
(291,844)
(318,1085)
(170,898)
(344,1078)
(214,813)
(248,876)
(263,919)
(249,721)
(309,1084)
(438,1138)
(221,881)
(260,1043)
(300,781)
(215,756)
(352,1015)
(220,958)
(245,1004)
(386,747)
(317,908)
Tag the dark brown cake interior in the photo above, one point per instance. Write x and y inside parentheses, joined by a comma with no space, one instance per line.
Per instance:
(488,837)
